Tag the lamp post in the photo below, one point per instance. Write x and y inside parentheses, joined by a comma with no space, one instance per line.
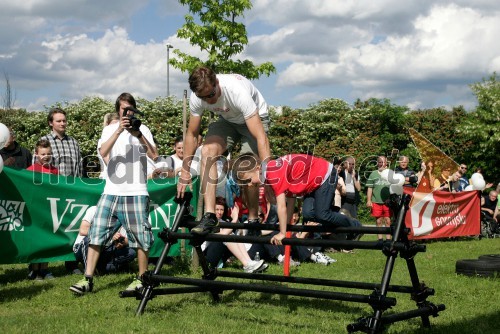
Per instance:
(169,46)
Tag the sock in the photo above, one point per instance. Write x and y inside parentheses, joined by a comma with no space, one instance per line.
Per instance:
(280,258)
(313,257)
(89,278)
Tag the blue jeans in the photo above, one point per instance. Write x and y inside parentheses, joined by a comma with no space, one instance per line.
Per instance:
(110,260)
(317,206)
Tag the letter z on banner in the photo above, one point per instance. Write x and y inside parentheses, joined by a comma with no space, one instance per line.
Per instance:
(441,214)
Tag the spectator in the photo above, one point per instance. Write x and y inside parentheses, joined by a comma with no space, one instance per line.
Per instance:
(125,199)
(426,177)
(377,195)
(340,190)
(489,203)
(116,255)
(178,155)
(215,250)
(43,164)
(410,176)
(14,155)
(352,198)
(441,182)
(243,118)
(65,149)
(293,175)
(463,181)
(66,156)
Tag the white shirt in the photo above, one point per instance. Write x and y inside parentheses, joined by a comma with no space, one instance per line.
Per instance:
(127,165)
(238,101)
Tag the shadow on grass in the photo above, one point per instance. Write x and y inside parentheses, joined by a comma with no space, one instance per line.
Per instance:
(487,323)
(17,293)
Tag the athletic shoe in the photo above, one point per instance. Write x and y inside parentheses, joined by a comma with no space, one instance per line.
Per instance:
(82,286)
(329,259)
(135,285)
(33,274)
(293,263)
(319,257)
(208,223)
(255,266)
(46,274)
(77,272)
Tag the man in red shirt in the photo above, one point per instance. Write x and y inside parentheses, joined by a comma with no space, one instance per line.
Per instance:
(296,175)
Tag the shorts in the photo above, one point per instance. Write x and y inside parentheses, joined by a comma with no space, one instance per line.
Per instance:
(381,210)
(233,133)
(131,212)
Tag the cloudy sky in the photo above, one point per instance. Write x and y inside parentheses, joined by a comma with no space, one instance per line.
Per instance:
(419,53)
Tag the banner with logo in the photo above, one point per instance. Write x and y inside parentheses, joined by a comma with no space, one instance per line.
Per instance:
(442,214)
(40,214)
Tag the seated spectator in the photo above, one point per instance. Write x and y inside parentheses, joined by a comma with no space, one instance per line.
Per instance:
(215,251)
(116,255)
(43,164)
(14,155)
(489,203)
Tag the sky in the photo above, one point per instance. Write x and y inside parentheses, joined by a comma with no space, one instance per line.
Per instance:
(417,53)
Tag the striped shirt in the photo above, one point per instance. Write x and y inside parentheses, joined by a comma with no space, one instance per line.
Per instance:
(66,154)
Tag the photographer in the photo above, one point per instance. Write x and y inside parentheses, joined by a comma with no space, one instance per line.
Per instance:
(124,147)
(116,256)
(411,178)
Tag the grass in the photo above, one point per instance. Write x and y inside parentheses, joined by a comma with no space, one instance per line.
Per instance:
(472,303)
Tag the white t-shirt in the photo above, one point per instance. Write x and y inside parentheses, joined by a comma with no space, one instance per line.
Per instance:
(177,161)
(127,166)
(238,101)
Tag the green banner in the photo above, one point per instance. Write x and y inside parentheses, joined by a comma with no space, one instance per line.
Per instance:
(40,214)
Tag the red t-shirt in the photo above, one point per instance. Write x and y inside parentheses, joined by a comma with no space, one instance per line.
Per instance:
(296,174)
(37,167)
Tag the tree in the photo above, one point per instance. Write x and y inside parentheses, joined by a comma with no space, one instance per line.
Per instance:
(8,100)
(483,124)
(220,35)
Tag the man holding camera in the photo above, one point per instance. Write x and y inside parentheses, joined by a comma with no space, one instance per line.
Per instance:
(125,200)
(115,256)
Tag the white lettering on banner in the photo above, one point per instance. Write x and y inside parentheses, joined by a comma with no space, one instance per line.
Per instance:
(158,213)
(447,208)
(70,207)
(11,215)
(421,214)
(453,220)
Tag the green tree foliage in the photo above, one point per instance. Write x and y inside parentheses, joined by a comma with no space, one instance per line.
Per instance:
(218,34)
(482,126)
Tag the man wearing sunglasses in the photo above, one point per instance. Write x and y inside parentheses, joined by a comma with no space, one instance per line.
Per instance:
(463,181)
(243,118)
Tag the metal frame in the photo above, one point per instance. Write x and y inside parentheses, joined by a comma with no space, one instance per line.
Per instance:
(377,299)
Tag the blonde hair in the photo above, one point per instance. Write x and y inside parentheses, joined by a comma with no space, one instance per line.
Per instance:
(109,117)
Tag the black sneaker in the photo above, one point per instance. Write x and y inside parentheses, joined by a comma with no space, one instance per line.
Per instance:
(208,224)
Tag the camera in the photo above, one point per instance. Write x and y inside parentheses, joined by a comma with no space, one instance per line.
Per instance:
(120,240)
(413,179)
(135,123)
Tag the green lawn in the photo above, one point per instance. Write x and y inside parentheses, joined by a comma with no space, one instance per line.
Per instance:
(472,304)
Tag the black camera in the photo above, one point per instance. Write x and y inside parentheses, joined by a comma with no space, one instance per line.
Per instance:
(135,123)
(120,240)
(413,179)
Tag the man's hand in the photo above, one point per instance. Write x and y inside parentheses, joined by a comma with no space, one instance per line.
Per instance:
(276,240)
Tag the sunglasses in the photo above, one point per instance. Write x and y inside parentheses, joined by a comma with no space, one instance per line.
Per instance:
(463,167)
(209,96)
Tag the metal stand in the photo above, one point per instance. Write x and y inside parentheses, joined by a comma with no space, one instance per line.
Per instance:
(378,299)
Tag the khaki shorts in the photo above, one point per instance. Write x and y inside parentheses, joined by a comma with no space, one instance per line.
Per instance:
(233,133)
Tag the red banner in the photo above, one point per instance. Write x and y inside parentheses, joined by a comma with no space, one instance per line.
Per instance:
(441,214)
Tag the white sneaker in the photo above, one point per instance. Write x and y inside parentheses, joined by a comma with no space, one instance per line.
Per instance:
(319,257)
(255,266)
(330,260)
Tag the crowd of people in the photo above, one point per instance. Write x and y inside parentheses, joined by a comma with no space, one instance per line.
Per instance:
(253,188)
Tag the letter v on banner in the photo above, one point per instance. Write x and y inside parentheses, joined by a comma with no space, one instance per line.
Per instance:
(57,220)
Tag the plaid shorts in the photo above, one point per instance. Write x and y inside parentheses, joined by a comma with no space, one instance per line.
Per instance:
(131,212)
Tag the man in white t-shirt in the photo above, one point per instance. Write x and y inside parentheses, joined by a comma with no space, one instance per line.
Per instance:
(124,147)
(243,118)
